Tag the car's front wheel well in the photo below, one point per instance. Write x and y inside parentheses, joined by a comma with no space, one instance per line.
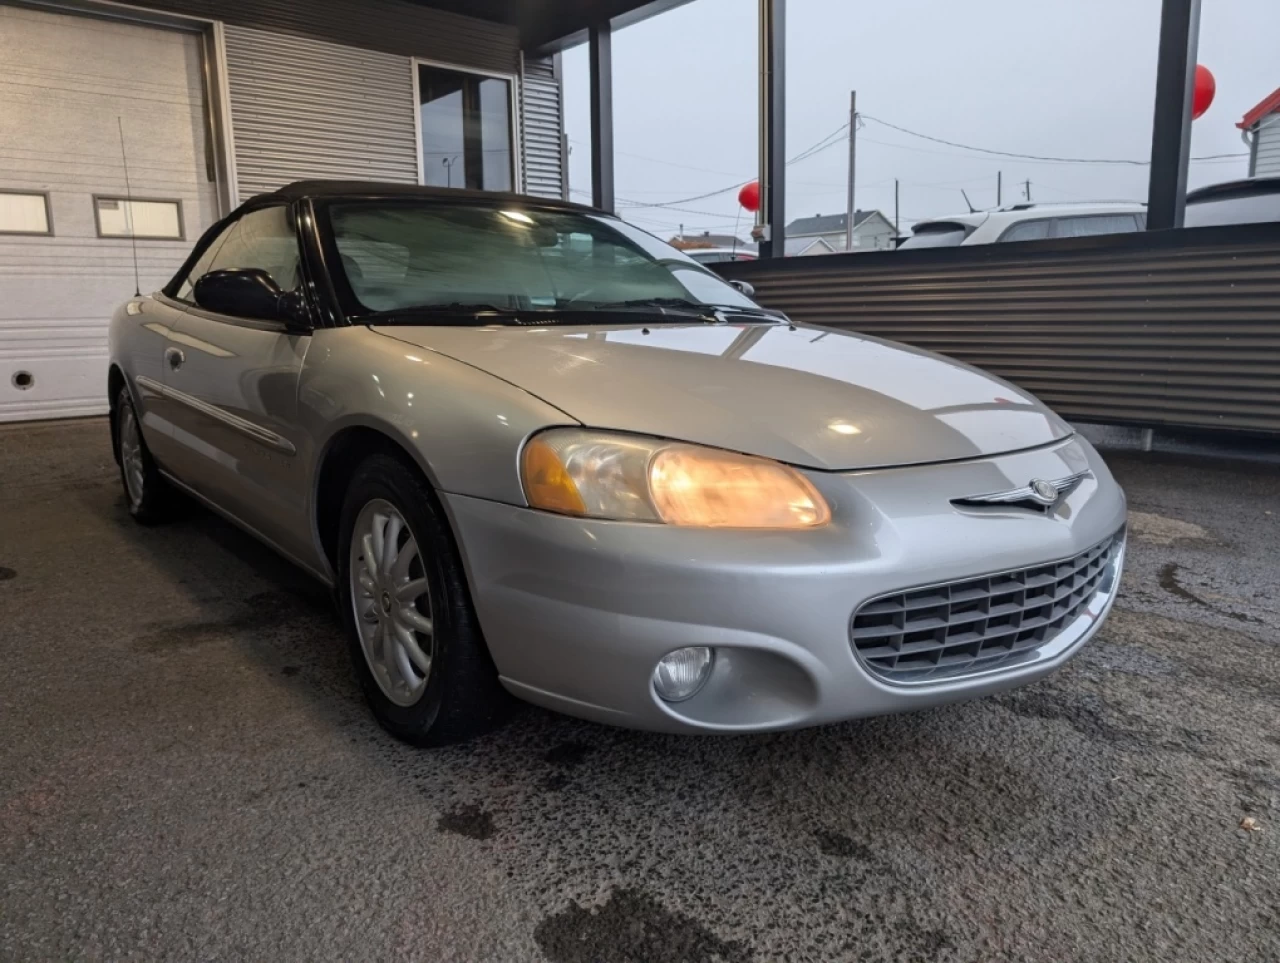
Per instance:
(115,384)
(343,456)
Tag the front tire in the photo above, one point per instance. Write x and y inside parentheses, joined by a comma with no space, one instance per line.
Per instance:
(150,498)
(415,644)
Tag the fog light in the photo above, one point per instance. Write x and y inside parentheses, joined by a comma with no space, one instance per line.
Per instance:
(683,672)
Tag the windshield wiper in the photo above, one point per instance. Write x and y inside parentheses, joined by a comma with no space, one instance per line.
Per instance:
(679,304)
(452,309)
(707,311)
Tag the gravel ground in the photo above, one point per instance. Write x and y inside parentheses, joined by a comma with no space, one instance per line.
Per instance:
(188,773)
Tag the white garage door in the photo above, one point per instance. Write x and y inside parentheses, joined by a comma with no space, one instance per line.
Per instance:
(68,84)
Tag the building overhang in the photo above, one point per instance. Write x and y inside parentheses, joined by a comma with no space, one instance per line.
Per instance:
(548,26)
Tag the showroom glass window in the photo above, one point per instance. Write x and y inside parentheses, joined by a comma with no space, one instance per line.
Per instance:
(466,129)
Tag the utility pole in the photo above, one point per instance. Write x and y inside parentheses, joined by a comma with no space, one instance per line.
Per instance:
(771,223)
(853,167)
(1028,191)
(999,188)
(682,233)
(896,232)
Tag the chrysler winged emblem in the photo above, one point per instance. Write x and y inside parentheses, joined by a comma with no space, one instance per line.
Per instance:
(1038,493)
(1045,492)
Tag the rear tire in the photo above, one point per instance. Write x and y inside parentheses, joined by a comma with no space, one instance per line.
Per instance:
(151,500)
(415,643)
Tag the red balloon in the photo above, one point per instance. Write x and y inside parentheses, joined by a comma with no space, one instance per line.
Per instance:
(749,196)
(1206,87)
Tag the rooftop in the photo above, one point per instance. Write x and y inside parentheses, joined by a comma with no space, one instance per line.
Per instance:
(320,188)
(1268,105)
(825,223)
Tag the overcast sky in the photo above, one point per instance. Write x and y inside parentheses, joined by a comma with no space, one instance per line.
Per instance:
(1063,78)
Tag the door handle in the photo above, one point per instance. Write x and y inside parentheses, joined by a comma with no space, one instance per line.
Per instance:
(174,357)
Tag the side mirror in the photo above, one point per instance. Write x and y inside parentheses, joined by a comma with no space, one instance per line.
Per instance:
(747,289)
(250,293)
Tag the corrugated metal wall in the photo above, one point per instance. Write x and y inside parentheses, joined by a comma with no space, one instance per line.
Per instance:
(306,108)
(1267,150)
(1174,328)
(323,88)
(391,26)
(542,118)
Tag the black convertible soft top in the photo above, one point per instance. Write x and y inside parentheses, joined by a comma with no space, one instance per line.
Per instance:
(301,190)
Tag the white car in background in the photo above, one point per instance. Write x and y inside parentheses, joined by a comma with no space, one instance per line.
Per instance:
(719,255)
(1251,200)
(1028,222)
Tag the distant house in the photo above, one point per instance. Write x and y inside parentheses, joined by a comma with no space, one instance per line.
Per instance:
(686,242)
(805,246)
(872,231)
(1262,129)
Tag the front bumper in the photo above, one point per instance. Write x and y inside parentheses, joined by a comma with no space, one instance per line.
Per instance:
(577,612)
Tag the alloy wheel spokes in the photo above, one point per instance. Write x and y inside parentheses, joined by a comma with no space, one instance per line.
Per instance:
(131,456)
(391,595)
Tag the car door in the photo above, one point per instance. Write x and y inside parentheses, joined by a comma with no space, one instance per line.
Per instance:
(157,337)
(232,384)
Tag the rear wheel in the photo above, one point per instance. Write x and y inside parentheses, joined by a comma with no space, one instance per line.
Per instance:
(414,641)
(150,498)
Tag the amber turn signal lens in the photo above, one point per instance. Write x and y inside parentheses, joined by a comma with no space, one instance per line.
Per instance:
(546,483)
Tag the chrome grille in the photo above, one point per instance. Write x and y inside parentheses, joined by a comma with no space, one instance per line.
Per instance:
(959,628)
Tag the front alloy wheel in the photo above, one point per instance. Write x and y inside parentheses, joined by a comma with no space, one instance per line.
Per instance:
(148,496)
(415,644)
(390,592)
(131,464)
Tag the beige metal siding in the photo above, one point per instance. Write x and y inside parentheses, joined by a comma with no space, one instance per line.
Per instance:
(1268,146)
(542,120)
(390,26)
(1179,330)
(309,109)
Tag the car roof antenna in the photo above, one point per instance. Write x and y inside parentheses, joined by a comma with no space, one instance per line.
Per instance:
(128,193)
(972,209)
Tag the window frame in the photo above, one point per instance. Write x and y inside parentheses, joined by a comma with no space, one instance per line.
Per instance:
(515,117)
(48,212)
(175,201)
(216,231)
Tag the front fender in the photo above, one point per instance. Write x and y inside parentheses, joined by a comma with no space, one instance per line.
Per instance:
(463,426)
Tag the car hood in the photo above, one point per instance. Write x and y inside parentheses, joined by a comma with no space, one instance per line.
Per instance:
(807,396)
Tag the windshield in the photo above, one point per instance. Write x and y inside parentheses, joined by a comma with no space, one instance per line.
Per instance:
(401,255)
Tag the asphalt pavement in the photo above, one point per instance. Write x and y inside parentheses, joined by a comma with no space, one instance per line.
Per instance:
(187,772)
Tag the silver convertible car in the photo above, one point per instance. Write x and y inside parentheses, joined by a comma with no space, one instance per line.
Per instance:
(536,451)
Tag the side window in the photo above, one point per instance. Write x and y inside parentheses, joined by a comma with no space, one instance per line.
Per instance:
(1027,231)
(1095,224)
(201,267)
(262,239)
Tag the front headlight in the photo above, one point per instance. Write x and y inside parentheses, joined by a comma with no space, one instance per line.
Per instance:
(604,475)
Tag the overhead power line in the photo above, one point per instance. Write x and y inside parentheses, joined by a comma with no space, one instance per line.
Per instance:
(835,137)
(1037,157)
(829,141)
